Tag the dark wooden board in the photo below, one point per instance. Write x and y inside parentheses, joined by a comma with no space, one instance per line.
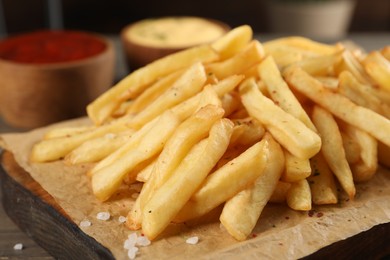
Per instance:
(38,215)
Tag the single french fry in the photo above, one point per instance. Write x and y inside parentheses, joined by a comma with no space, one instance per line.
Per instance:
(106,180)
(241,213)
(189,106)
(299,196)
(279,194)
(231,103)
(56,148)
(98,148)
(226,181)
(340,106)
(352,64)
(66,131)
(289,131)
(386,52)
(233,41)
(319,66)
(280,92)
(296,168)
(329,82)
(364,169)
(361,94)
(190,132)
(153,92)
(332,148)
(378,67)
(322,184)
(186,179)
(189,83)
(384,154)
(239,63)
(136,82)
(304,44)
(351,148)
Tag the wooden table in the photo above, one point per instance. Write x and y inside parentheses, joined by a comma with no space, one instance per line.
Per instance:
(10,234)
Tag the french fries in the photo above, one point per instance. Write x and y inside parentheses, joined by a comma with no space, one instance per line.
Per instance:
(232,126)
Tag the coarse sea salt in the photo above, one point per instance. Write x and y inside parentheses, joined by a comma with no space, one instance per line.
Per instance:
(143,241)
(85,223)
(122,219)
(132,253)
(131,243)
(192,240)
(18,246)
(103,216)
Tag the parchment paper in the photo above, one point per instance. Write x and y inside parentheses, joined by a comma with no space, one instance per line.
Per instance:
(281,233)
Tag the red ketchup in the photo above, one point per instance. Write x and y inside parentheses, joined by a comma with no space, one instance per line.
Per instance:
(43,47)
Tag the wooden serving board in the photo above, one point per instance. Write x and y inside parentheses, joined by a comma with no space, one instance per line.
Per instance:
(39,216)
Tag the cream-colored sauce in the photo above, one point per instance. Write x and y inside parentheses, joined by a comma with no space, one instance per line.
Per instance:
(173,32)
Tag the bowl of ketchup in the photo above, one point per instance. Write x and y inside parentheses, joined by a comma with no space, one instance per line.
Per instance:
(48,76)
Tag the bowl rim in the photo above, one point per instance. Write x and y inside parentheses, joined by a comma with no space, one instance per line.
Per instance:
(124,39)
(69,64)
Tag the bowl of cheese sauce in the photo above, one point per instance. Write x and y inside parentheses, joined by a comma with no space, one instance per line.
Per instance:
(149,39)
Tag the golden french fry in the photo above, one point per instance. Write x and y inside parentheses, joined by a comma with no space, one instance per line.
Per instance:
(332,148)
(386,52)
(190,83)
(296,168)
(57,148)
(384,154)
(241,213)
(153,92)
(233,41)
(106,180)
(280,92)
(352,64)
(144,174)
(322,184)
(361,94)
(286,55)
(364,169)
(66,131)
(304,44)
(298,196)
(239,63)
(351,148)
(289,131)
(319,66)
(231,103)
(189,106)
(98,148)
(279,194)
(340,106)
(186,179)
(378,67)
(226,181)
(190,132)
(136,82)
(329,82)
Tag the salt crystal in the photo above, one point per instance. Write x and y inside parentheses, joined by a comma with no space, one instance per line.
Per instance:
(130,241)
(192,240)
(132,252)
(143,241)
(18,246)
(103,216)
(85,223)
(122,219)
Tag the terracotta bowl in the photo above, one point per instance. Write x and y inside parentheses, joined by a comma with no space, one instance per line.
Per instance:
(37,94)
(140,48)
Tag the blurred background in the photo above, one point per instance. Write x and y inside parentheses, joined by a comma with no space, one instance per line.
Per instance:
(111,16)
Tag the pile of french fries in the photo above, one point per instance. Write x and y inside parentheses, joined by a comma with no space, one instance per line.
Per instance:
(235,124)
